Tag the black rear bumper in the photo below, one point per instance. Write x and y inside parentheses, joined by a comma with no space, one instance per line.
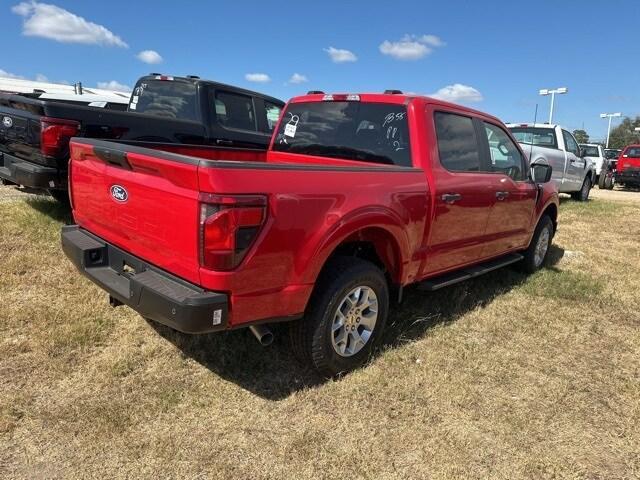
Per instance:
(629,176)
(152,292)
(30,174)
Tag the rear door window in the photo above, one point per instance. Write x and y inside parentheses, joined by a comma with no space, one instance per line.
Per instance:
(235,111)
(457,142)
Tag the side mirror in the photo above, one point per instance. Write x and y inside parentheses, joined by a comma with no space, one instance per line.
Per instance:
(541,173)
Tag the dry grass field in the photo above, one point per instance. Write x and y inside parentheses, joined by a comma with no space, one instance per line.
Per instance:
(504,377)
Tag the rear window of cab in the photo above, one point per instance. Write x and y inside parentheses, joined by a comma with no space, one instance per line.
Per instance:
(542,137)
(632,152)
(590,150)
(350,130)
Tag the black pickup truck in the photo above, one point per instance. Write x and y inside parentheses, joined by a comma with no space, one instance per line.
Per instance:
(178,112)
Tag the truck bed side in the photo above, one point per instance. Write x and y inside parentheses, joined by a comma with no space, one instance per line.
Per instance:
(307,216)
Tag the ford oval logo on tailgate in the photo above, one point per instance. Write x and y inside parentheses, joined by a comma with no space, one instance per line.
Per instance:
(7,122)
(119,193)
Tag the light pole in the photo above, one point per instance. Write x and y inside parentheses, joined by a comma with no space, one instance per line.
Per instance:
(609,116)
(546,91)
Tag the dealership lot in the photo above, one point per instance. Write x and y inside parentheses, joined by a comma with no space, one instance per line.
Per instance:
(516,377)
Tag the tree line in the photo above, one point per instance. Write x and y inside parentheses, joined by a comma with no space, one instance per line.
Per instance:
(621,135)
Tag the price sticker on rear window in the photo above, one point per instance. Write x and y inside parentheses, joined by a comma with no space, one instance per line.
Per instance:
(290,130)
(291,126)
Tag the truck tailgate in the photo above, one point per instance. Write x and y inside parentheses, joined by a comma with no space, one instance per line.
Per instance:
(143,204)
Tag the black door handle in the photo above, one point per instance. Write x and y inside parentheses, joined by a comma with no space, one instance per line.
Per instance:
(502,195)
(451,197)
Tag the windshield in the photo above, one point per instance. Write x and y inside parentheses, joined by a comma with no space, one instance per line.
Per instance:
(590,151)
(609,154)
(543,137)
(367,132)
(166,98)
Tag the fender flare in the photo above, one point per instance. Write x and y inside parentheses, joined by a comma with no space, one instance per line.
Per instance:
(367,218)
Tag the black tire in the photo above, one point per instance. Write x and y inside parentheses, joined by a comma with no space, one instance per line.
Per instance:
(61,196)
(602,179)
(582,195)
(608,183)
(312,337)
(529,264)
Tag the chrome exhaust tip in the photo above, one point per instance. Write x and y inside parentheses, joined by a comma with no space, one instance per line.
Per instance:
(263,334)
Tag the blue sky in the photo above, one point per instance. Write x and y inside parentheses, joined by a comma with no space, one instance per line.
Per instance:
(494,56)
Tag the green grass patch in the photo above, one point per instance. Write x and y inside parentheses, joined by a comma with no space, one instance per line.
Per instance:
(592,208)
(564,285)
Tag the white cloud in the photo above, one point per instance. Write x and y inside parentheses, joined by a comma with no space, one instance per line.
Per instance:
(55,23)
(257,77)
(458,93)
(340,55)
(432,40)
(114,85)
(5,74)
(411,47)
(38,78)
(149,56)
(297,78)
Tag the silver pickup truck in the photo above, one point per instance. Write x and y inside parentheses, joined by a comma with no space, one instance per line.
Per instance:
(552,145)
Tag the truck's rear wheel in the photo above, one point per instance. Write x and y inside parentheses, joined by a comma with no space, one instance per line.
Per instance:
(608,183)
(345,317)
(536,253)
(582,195)
(601,179)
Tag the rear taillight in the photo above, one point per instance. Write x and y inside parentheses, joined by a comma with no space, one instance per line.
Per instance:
(55,134)
(229,225)
(70,190)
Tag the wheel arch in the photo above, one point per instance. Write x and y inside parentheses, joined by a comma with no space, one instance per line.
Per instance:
(552,211)
(375,244)
(380,238)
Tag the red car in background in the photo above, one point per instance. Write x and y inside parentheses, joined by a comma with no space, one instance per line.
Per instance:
(628,167)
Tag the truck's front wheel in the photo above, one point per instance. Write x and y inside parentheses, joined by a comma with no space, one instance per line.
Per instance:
(345,317)
(536,253)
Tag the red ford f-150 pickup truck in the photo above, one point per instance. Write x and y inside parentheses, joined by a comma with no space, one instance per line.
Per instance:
(359,196)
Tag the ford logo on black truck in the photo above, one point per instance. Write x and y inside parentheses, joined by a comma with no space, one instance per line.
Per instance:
(119,193)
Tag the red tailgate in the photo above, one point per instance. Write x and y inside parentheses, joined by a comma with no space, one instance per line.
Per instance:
(147,204)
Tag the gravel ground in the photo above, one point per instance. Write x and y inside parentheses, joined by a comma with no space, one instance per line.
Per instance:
(617,195)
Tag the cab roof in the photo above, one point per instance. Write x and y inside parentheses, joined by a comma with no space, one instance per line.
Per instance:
(197,80)
(391,98)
